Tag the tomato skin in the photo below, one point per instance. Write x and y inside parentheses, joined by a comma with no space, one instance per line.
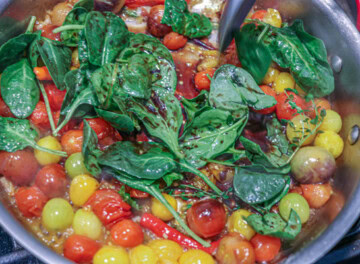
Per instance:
(206,218)
(109,207)
(72,141)
(284,109)
(138,194)
(268,91)
(13,168)
(4,109)
(47,32)
(259,14)
(30,201)
(174,41)
(202,81)
(80,249)
(55,96)
(127,233)
(138,3)
(51,180)
(39,116)
(266,247)
(70,125)
(101,127)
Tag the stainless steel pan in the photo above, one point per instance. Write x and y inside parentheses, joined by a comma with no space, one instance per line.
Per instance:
(323,18)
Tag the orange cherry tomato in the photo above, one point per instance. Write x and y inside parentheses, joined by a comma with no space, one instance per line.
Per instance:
(284,110)
(101,127)
(260,14)
(47,32)
(51,180)
(39,116)
(55,96)
(19,167)
(269,91)
(266,247)
(127,233)
(72,141)
(80,249)
(320,104)
(202,81)
(174,41)
(30,201)
(42,73)
(316,194)
(109,207)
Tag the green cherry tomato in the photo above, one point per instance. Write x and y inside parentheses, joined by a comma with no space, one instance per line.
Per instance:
(75,166)
(296,202)
(57,214)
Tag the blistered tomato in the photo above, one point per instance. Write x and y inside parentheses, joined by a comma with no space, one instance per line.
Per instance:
(285,108)
(101,127)
(80,249)
(72,141)
(127,233)
(30,201)
(55,96)
(51,180)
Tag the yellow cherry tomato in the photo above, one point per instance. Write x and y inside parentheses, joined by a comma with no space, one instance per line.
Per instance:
(45,158)
(330,141)
(81,188)
(111,255)
(239,225)
(87,224)
(166,250)
(271,76)
(196,256)
(283,81)
(332,122)
(159,210)
(143,255)
(300,127)
(57,214)
(273,17)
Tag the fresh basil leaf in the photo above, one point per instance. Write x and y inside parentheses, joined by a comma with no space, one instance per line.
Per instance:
(17,134)
(139,160)
(119,121)
(87,4)
(14,49)
(195,106)
(83,48)
(254,185)
(273,225)
(163,72)
(210,134)
(19,89)
(234,89)
(90,150)
(127,198)
(106,36)
(276,135)
(252,53)
(77,16)
(161,116)
(182,21)
(33,52)
(57,58)
(169,179)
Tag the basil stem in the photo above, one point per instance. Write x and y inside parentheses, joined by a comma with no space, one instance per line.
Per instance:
(68,27)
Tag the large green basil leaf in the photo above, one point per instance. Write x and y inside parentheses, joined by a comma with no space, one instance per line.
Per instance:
(19,89)
(17,134)
(119,121)
(90,150)
(182,21)
(106,36)
(273,225)
(57,58)
(276,135)
(163,72)
(233,89)
(161,116)
(252,53)
(254,185)
(273,161)
(13,50)
(210,134)
(144,162)
(77,16)
(306,57)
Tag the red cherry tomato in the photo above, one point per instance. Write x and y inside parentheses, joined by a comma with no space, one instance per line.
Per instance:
(109,207)
(138,194)
(80,249)
(30,201)
(55,96)
(259,14)
(138,3)
(127,233)
(47,32)
(72,141)
(269,91)
(4,109)
(174,41)
(39,116)
(202,81)
(19,167)
(51,180)
(266,247)
(284,110)
(101,127)
(206,218)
